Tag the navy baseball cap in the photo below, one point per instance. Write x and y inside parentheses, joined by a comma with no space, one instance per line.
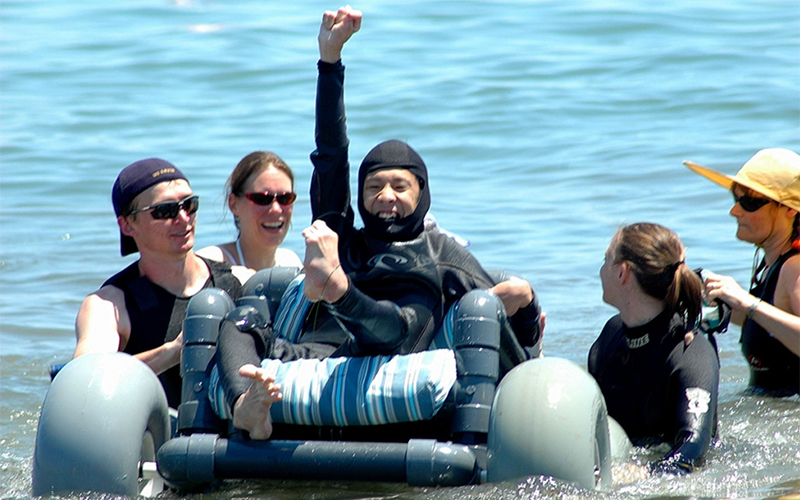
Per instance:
(134,179)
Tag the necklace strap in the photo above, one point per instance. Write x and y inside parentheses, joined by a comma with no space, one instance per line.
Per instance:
(239,251)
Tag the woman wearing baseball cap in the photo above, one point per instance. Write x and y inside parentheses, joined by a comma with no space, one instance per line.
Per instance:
(766,194)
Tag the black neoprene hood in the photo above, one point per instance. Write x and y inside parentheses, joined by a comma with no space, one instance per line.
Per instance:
(389,155)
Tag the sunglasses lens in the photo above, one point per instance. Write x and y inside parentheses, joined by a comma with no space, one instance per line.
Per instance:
(286,198)
(165,210)
(170,210)
(750,203)
(265,199)
(260,198)
(191,205)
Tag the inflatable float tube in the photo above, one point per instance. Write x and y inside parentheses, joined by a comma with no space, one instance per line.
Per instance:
(549,419)
(546,417)
(103,418)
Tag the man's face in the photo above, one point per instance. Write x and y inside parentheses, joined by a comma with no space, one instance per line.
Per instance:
(391,193)
(164,236)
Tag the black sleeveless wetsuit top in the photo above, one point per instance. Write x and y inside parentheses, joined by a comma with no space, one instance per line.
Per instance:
(157,315)
(774,369)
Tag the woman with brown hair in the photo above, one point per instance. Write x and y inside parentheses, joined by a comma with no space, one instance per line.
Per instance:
(260,196)
(658,374)
(766,203)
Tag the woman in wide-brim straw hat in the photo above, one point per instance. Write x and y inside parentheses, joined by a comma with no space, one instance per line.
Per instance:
(766,193)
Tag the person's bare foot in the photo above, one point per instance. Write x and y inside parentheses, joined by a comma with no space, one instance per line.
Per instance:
(251,410)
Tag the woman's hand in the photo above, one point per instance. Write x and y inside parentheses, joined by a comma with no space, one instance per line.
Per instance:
(728,290)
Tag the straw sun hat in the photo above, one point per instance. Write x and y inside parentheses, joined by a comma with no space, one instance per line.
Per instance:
(774,173)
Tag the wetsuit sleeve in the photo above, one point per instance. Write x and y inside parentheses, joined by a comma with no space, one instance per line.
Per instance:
(599,354)
(693,395)
(330,181)
(386,327)
(462,272)
(525,322)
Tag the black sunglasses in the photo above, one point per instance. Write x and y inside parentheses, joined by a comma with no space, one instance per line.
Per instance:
(265,199)
(750,203)
(170,209)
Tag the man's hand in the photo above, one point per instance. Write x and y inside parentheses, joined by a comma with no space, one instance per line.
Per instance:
(336,29)
(325,279)
(515,293)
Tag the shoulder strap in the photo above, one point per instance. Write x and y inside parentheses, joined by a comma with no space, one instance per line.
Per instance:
(222,277)
(122,278)
(134,286)
(228,255)
(772,275)
(239,251)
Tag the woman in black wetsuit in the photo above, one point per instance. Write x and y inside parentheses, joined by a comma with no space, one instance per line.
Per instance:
(658,375)
(766,193)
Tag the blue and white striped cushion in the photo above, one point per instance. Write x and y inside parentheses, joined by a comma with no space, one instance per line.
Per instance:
(216,395)
(444,338)
(291,313)
(370,390)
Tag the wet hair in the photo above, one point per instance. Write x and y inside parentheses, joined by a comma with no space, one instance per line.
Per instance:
(655,255)
(255,163)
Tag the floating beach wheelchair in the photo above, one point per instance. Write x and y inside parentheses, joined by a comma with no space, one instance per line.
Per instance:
(471,410)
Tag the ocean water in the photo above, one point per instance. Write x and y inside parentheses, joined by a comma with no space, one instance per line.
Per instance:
(545,125)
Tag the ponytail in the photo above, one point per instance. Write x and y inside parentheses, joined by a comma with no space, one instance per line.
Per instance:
(684,295)
(655,255)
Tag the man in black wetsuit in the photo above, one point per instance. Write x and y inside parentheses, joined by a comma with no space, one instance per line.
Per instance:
(383,289)
(141,309)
